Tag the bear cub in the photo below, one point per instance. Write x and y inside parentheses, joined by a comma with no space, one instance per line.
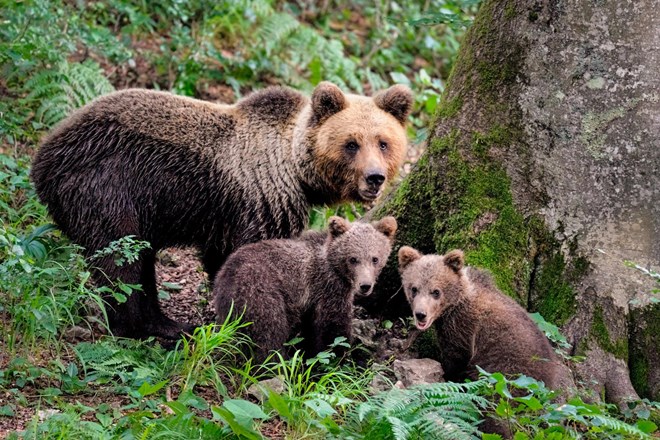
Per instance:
(475,323)
(304,285)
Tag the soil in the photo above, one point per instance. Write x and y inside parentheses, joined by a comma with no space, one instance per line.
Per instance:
(180,276)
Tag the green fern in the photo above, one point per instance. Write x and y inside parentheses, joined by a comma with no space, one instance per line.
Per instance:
(437,411)
(58,92)
(303,56)
(275,29)
(133,362)
(614,425)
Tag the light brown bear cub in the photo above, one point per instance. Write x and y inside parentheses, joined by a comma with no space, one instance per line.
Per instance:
(304,285)
(476,324)
(177,171)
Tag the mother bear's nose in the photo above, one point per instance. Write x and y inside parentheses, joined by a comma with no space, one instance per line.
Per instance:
(375,178)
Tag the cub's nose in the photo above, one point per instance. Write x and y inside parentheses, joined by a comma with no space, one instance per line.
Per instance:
(375,179)
(420,316)
(364,288)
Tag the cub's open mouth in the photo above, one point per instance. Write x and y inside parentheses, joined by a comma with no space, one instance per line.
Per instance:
(422,325)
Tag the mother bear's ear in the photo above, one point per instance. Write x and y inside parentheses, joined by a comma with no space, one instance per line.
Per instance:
(397,101)
(327,99)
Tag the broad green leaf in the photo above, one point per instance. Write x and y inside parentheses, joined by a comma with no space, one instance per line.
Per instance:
(279,404)
(172,286)
(146,388)
(320,407)
(400,78)
(531,402)
(244,409)
(646,426)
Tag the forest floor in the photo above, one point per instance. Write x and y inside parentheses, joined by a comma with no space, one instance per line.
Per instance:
(179,274)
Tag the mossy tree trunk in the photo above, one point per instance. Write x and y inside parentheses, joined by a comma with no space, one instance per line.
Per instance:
(544,166)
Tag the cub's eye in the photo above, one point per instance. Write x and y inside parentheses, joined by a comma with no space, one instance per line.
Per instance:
(375,260)
(435,294)
(352,260)
(413,291)
(383,145)
(352,146)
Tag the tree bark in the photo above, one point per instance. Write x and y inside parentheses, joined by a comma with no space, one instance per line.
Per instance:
(544,166)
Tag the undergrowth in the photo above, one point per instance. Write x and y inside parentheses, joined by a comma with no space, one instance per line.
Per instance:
(57,55)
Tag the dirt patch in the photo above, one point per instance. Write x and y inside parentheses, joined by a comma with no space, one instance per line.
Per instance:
(184,287)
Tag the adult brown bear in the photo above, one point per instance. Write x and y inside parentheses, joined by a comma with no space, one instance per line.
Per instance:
(178,171)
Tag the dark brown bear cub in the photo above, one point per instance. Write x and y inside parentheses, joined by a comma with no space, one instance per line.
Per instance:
(476,324)
(304,285)
(176,171)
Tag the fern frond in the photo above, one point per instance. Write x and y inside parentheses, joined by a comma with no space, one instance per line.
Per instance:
(293,48)
(275,29)
(400,429)
(436,411)
(59,91)
(617,425)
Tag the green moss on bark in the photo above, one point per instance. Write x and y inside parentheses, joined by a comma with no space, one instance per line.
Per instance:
(459,194)
(644,349)
(449,108)
(557,297)
(599,333)
(482,219)
(551,289)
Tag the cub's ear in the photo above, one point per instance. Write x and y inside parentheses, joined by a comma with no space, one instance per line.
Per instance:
(406,256)
(397,101)
(337,226)
(327,99)
(387,226)
(454,260)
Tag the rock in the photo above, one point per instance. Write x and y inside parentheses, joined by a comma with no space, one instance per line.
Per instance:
(259,390)
(380,383)
(418,371)
(167,258)
(365,331)
(77,334)
(43,414)
(382,380)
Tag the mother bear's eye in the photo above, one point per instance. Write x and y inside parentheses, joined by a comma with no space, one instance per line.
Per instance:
(435,294)
(382,145)
(352,146)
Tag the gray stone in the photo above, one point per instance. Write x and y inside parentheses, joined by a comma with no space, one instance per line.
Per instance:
(418,371)
(43,414)
(77,334)
(365,331)
(380,383)
(260,390)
